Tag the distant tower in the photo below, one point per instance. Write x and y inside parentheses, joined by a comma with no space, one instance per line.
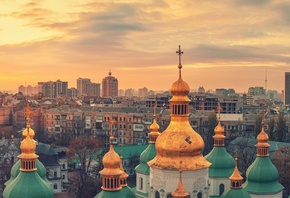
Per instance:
(110,86)
(287,88)
(83,86)
(266,81)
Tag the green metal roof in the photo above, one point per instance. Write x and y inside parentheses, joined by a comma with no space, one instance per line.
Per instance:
(128,151)
(127,192)
(148,154)
(110,194)
(15,170)
(236,193)
(28,185)
(262,177)
(222,163)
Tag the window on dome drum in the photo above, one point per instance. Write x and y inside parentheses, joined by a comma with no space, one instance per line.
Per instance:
(222,189)
(169,195)
(141,183)
(199,195)
(157,194)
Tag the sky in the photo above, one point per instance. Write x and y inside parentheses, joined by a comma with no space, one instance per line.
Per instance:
(226,43)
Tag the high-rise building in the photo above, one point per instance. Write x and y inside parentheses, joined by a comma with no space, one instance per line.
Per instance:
(287,88)
(87,88)
(60,88)
(83,85)
(110,86)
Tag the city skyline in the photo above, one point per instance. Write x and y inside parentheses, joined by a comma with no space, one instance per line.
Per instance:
(227,44)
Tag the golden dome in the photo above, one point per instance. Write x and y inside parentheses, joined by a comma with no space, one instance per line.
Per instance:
(28,147)
(179,142)
(180,88)
(263,138)
(111,162)
(154,128)
(236,175)
(219,131)
(29,131)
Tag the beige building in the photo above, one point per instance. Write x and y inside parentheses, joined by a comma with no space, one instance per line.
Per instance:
(110,86)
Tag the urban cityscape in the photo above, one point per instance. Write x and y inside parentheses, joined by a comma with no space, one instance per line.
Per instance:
(144,99)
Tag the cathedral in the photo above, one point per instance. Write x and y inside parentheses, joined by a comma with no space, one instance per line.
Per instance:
(172,165)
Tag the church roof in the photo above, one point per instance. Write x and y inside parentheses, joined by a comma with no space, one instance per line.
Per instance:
(223,163)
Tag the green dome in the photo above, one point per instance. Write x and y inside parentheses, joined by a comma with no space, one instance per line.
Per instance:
(110,194)
(15,170)
(41,170)
(147,155)
(236,193)
(222,163)
(28,185)
(262,177)
(127,192)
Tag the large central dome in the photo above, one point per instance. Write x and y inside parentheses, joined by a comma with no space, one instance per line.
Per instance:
(179,142)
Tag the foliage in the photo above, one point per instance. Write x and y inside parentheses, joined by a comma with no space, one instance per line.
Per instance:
(258,125)
(281,159)
(212,122)
(244,148)
(281,128)
(83,151)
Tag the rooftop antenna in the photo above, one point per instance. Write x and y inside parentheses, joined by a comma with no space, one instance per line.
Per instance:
(266,79)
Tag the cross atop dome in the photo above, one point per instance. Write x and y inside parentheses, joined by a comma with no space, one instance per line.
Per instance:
(179,52)
(27,114)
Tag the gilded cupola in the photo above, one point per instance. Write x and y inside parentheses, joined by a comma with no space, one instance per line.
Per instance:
(219,131)
(111,161)
(262,138)
(154,128)
(179,142)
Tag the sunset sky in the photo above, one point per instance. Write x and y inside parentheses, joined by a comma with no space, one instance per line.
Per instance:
(226,43)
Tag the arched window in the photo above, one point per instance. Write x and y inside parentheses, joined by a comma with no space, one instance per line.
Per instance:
(54,186)
(199,195)
(169,195)
(157,194)
(221,189)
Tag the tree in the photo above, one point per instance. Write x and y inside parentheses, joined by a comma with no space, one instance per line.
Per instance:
(258,125)
(281,134)
(212,122)
(271,129)
(281,159)
(244,148)
(85,151)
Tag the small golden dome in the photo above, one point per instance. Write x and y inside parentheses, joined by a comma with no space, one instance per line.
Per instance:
(29,131)
(180,88)
(262,138)
(154,127)
(28,147)
(236,175)
(219,131)
(111,159)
